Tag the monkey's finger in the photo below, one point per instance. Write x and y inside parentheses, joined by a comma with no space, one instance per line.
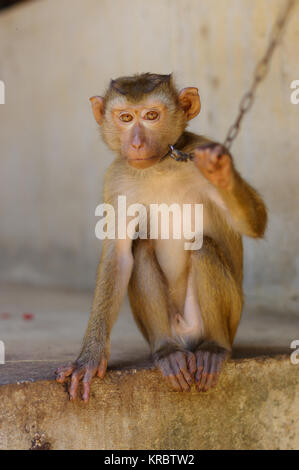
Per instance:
(213,159)
(205,371)
(209,381)
(214,163)
(89,374)
(199,365)
(179,375)
(213,373)
(102,368)
(218,150)
(173,383)
(76,377)
(219,361)
(172,380)
(168,374)
(191,363)
(183,374)
(208,165)
(63,372)
(185,387)
(180,366)
(200,156)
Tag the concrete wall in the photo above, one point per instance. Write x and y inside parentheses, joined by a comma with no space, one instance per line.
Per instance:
(54,54)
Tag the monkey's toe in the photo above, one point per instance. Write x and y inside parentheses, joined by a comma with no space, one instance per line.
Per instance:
(209,365)
(63,372)
(178,369)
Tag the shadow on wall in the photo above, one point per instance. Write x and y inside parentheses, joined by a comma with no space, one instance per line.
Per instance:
(10,3)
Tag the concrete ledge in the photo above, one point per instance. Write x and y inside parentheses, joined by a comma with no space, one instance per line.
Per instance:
(255,406)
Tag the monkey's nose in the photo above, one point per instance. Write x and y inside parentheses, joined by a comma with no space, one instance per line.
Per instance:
(137,145)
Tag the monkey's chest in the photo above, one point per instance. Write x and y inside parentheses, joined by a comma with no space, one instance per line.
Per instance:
(174,216)
(175,211)
(178,210)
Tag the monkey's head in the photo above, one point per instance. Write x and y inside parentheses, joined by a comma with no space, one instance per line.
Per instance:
(141,115)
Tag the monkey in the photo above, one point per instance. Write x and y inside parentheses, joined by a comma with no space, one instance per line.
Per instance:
(186,303)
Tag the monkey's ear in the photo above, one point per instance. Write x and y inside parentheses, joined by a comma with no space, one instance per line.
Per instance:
(97,103)
(190,102)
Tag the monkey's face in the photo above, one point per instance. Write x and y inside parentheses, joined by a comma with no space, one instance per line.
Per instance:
(140,128)
(144,131)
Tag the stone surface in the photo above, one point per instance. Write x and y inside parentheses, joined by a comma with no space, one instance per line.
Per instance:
(255,406)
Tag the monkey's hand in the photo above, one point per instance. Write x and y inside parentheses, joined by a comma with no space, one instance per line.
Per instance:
(216,165)
(85,367)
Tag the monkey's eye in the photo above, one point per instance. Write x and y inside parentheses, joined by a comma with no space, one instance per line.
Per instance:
(151,115)
(126,117)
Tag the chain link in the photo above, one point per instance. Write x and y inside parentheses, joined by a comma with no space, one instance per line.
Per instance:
(260,73)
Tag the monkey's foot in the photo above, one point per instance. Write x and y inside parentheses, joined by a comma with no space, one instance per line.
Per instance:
(178,369)
(209,362)
(78,371)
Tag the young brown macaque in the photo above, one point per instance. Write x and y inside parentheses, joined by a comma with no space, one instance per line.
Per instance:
(187,303)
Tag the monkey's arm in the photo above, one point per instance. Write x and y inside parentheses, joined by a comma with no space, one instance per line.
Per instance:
(246,209)
(113,276)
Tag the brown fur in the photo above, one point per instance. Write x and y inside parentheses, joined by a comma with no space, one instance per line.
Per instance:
(187,304)
(139,85)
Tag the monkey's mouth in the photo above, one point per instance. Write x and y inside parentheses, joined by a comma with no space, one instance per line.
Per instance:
(144,162)
(154,157)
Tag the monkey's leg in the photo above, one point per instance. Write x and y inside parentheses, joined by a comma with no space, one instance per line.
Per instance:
(220,302)
(151,307)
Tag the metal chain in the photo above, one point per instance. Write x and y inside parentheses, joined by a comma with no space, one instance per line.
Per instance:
(260,73)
